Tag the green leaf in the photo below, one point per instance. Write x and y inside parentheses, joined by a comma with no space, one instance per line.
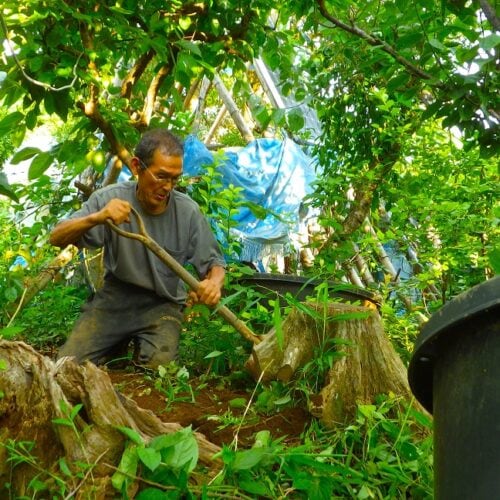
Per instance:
(262,439)
(257,210)
(178,449)
(5,189)
(238,403)
(39,165)
(64,467)
(408,451)
(62,421)
(24,154)
(37,485)
(189,47)
(283,401)
(490,41)
(3,364)
(121,10)
(184,22)
(278,324)
(295,120)
(247,459)
(213,354)
(185,454)
(10,122)
(150,457)
(437,44)
(151,494)
(9,332)
(255,488)
(364,492)
(75,410)
(127,467)
(10,294)
(134,436)
(494,259)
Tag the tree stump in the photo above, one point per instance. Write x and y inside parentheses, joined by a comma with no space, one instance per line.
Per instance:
(34,390)
(368,367)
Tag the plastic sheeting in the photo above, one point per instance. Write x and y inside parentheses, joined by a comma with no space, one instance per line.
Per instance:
(273,174)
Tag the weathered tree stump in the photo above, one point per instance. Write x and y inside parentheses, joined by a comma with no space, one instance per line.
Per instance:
(368,367)
(32,388)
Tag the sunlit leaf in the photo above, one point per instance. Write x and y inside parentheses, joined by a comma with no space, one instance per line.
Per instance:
(40,163)
(5,188)
(127,467)
(10,122)
(278,324)
(24,154)
(10,332)
(247,459)
(214,354)
(131,434)
(189,46)
(150,457)
(494,259)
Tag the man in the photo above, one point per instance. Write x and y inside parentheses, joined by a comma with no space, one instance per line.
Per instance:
(142,300)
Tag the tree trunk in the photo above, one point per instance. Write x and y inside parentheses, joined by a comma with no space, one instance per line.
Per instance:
(368,364)
(36,390)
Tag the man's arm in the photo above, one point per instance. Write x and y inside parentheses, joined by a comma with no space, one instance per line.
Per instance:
(70,231)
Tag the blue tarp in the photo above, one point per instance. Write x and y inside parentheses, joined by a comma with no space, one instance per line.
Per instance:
(274,174)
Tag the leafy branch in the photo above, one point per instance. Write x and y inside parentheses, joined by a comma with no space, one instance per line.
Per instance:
(44,85)
(377,42)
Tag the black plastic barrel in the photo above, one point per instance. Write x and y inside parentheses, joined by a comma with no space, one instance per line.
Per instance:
(455,374)
(300,287)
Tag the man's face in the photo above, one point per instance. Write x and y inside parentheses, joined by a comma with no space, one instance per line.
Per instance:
(155,182)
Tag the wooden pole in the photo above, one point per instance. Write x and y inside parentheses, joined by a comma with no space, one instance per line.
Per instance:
(233,109)
(215,124)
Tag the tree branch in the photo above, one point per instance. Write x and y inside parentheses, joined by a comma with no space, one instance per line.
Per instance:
(150,100)
(376,42)
(46,86)
(490,14)
(135,73)
(91,110)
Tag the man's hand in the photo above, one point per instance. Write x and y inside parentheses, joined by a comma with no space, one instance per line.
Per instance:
(210,289)
(208,293)
(71,230)
(116,210)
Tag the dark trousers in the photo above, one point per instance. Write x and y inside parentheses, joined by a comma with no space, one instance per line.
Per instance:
(120,313)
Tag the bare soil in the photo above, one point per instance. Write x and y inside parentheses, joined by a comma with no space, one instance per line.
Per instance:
(211,410)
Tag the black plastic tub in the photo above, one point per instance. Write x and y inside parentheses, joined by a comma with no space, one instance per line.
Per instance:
(301,287)
(455,374)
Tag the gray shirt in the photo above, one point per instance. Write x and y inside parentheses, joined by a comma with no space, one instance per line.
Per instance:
(182,230)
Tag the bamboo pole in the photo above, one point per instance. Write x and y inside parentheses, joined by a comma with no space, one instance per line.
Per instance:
(215,124)
(233,109)
(204,88)
(362,266)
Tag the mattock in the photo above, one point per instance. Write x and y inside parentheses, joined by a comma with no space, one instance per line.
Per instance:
(183,274)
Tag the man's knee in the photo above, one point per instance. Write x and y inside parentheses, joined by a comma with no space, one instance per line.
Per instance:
(157,349)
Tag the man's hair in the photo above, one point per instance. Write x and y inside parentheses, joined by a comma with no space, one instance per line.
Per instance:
(161,139)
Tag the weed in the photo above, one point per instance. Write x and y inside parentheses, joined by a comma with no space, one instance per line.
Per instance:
(173,381)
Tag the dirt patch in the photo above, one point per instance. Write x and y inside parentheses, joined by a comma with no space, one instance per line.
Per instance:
(217,410)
